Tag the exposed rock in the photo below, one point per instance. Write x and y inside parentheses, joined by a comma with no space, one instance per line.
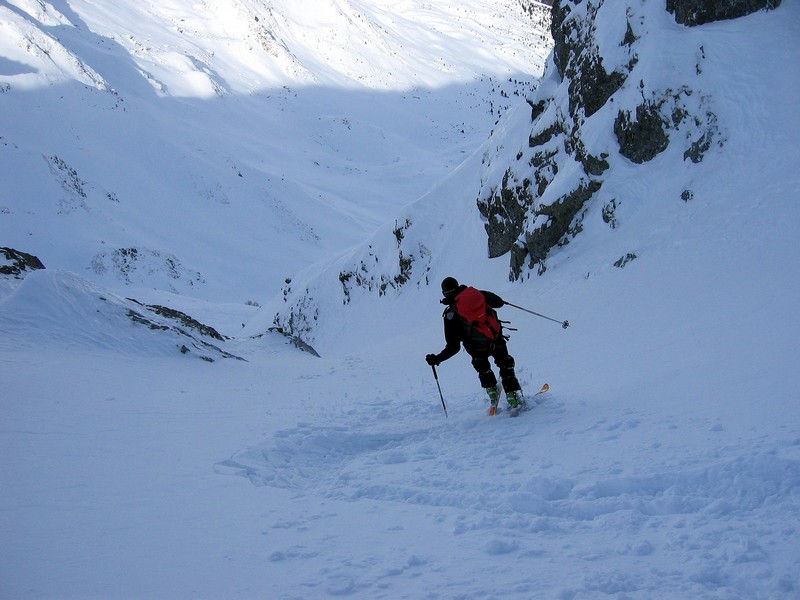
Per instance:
(620,264)
(408,254)
(610,213)
(557,224)
(561,35)
(149,317)
(592,165)
(20,262)
(521,216)
(135,265)
(183,319)
(537,109)
(641,138)
(545,169)
(296,341)
(505,214)
(578,60)
(699,12)
(591,85)
(645,134)
(544,136)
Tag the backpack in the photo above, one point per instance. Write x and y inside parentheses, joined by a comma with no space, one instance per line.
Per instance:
(478,318)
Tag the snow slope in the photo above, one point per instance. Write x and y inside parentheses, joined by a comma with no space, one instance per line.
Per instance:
(663,463)
(144,127)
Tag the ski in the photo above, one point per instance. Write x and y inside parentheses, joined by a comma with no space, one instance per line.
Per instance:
(535,400)
(493,409)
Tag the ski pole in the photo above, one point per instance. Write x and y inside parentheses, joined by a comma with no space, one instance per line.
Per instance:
(563,324)
(436,377)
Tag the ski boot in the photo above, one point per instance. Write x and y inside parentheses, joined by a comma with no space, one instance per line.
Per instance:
(516,401)
(494,398)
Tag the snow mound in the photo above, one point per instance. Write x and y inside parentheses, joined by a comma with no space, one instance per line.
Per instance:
(58,308)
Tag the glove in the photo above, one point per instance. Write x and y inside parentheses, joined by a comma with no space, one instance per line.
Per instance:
(432,360)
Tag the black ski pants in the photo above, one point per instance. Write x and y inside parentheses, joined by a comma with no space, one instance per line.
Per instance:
(498,351)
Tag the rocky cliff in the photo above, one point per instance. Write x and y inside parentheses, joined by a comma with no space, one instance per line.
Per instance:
(605,82)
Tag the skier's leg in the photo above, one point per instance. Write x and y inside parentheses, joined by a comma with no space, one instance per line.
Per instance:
(505,363)
(480,363)
(487,377)
(511,386)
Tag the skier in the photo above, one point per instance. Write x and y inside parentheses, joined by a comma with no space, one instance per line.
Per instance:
(470,319)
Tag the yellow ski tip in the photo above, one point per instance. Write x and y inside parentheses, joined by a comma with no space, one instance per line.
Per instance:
(545,387)
(492,411)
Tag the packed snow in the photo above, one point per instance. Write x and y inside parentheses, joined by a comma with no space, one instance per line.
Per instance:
(146,459)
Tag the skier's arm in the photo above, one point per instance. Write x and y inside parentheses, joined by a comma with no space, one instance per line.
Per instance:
(450,350)
(493,299)
(452,338)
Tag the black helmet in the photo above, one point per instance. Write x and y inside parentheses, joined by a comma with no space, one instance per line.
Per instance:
(449,286)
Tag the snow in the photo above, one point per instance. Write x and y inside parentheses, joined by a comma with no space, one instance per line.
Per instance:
(663,463)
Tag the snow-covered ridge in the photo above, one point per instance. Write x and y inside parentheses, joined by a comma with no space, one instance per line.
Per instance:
(190,49)
(57,309)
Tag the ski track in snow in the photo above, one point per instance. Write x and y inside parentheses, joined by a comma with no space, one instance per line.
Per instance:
(516,509)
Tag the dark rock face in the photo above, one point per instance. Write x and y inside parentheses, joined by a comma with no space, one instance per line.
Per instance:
(538,202)
(577,58)
(505,213)
(561,224)
(184,319)
(699,12)
(561,47)
(20,262)
(592,86)
(644,137)
(522,214)
(645,133)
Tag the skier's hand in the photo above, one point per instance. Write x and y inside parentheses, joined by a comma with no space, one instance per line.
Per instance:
(432,360)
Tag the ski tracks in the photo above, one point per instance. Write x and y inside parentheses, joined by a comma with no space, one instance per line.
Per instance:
(499,488)
(396,454)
